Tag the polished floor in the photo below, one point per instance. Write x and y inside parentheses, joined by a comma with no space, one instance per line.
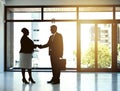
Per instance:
(70,81)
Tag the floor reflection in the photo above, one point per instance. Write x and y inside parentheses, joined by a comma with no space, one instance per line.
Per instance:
(27,87)
(70,81)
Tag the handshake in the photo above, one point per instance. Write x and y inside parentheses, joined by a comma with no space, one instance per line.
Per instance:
(39,46)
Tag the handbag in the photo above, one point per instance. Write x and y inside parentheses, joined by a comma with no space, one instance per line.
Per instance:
(62,63)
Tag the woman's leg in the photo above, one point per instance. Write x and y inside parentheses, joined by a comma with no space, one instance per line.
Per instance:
(23,73)
(23,76)
(30,76)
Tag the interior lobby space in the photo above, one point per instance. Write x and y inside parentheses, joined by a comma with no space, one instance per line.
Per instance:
(91,43)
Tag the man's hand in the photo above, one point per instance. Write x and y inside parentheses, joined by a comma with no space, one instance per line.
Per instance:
(39,46)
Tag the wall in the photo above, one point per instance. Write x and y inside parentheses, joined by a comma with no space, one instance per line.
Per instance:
(1,36)
(62,2)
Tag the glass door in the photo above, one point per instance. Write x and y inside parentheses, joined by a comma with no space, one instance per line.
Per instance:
(87,45)
(96,46)
(104,46)
(118,46)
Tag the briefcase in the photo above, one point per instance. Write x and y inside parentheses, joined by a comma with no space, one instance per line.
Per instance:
(62,64)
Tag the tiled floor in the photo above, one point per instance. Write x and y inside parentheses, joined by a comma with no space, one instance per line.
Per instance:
(70,81)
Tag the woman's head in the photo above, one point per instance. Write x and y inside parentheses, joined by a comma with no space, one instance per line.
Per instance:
(25,31)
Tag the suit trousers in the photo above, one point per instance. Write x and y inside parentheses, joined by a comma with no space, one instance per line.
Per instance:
(55,67)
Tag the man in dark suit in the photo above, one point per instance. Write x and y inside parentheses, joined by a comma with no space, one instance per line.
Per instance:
(55,44)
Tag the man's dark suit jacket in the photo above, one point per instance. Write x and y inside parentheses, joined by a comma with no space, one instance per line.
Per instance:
(55,44)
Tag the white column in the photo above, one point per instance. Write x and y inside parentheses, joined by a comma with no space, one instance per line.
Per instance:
(2,35)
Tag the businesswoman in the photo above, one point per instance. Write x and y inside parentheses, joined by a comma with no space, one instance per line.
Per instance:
(27,48)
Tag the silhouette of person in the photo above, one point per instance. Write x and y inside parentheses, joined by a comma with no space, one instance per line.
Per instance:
(55,44)
(27,48)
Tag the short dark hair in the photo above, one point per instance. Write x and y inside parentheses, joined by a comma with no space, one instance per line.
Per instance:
(54,26)
(24,30)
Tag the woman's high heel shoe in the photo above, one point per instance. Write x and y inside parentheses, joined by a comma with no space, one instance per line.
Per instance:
(30,79)
(24,81)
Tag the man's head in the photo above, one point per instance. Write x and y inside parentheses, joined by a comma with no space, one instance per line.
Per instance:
(53,29)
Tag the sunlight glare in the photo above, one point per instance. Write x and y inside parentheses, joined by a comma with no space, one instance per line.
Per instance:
(85,36)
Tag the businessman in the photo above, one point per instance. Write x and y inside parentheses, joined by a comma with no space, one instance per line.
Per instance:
(55,44)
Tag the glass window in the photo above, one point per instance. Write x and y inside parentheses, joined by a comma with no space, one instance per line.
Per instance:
(118,46)
(88,13)
(68,30)
(104,46)
(117,13)
(39,33)
(24,14)
(95,37)
(59,13)
(87,45)
(37,30)
(103,49)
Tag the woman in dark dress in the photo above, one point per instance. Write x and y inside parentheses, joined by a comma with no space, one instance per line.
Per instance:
(27,48)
